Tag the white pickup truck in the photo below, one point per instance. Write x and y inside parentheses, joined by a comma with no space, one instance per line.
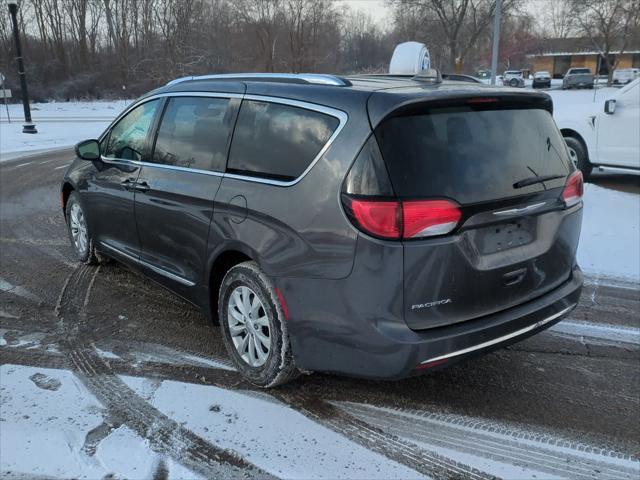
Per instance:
(606,134)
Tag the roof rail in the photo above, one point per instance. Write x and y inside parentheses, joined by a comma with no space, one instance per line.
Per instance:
(314,78)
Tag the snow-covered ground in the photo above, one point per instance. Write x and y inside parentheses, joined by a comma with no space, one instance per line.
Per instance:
(59,124)
(53,408)
(610,239)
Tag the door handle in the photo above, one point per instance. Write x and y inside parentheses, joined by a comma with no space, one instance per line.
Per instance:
(141,187)
(131,185)
(128,184)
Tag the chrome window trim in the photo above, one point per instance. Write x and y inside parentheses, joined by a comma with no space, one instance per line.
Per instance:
(503,338)
(339,114)
(159,270)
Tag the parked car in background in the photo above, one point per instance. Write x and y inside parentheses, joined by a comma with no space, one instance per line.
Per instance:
(623,76)
(457,77)
(606,135)
(374,226)
(513,78)
(542,79)
(578,78)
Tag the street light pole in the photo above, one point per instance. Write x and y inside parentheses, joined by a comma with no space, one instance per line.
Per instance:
(28,126)
(496,41)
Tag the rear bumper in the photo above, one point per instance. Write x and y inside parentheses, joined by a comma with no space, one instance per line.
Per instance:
(388,349)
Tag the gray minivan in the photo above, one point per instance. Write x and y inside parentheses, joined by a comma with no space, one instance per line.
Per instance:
(373,226)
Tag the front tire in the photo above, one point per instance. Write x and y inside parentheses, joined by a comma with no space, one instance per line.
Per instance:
(78,230)
(579,156)
(254,327)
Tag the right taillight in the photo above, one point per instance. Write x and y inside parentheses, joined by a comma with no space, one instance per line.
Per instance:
(573,189)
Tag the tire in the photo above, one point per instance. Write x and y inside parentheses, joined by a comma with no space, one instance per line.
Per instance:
(78,230)
(275,366)
(579,156)
(513,82)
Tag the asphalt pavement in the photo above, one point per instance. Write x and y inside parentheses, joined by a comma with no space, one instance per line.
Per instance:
(576,387)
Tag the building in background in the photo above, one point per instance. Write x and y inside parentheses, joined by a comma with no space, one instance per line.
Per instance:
(557,55)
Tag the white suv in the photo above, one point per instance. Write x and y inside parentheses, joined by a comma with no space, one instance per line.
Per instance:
(606,135)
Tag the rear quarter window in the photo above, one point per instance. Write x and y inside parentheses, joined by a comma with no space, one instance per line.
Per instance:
(277,141)
(471,155)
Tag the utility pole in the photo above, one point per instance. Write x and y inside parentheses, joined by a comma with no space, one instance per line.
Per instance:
(496,41)
(28,126)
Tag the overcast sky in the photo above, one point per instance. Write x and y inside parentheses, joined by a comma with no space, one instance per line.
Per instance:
(380,11)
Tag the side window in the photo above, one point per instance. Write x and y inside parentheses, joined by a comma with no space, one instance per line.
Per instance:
(277,141)
(128,136)
(194,133)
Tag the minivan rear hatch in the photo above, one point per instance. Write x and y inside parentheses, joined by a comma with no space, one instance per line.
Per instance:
(504,164)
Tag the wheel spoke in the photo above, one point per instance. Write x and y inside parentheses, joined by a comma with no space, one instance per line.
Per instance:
(255,306)
(253,355)
(233,311)
(236,330)
(266,341)
(237,299)
(246,302)
(242,345)
(262,321)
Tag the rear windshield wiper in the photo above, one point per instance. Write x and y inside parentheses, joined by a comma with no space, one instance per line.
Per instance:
(534,180)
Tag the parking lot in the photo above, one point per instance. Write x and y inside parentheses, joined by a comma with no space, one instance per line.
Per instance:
(120,377)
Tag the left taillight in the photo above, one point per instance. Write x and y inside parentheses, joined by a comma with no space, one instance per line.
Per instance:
(573,189)
(372,206)
(402,219)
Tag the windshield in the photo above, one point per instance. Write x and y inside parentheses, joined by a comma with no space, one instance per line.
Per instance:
(577,71)
(471,154)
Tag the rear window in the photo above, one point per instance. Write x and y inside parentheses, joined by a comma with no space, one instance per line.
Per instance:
(576,71)
(277,141)
(470,154)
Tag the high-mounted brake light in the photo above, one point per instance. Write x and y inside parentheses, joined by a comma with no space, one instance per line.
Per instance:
(482,100)
(395,219)
(574,189)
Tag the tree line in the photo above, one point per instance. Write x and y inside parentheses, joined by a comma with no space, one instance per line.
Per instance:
(111,48)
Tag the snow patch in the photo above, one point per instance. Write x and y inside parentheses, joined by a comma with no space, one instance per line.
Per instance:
(273,437)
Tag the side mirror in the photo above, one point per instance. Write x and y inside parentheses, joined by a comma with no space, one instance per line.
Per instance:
(88,150)
(610,106)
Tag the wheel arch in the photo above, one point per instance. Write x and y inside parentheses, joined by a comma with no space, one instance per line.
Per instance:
(569,132)
(221,263)
(67,188)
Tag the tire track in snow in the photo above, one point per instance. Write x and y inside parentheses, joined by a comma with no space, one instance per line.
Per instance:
(164,435)
(375,439)
(496,443)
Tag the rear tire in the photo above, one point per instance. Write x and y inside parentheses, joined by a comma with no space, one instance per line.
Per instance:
(79,233)
(254,327)
(579,156)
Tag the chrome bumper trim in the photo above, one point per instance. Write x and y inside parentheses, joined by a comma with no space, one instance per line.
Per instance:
(503,338)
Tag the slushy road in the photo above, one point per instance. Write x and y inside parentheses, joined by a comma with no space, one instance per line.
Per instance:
(561,404)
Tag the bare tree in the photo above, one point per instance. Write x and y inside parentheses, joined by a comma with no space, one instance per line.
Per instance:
(609,24)
(557,18)
(460,22)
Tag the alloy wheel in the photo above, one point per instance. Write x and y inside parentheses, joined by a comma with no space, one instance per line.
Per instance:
(78,226)
(249,326)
